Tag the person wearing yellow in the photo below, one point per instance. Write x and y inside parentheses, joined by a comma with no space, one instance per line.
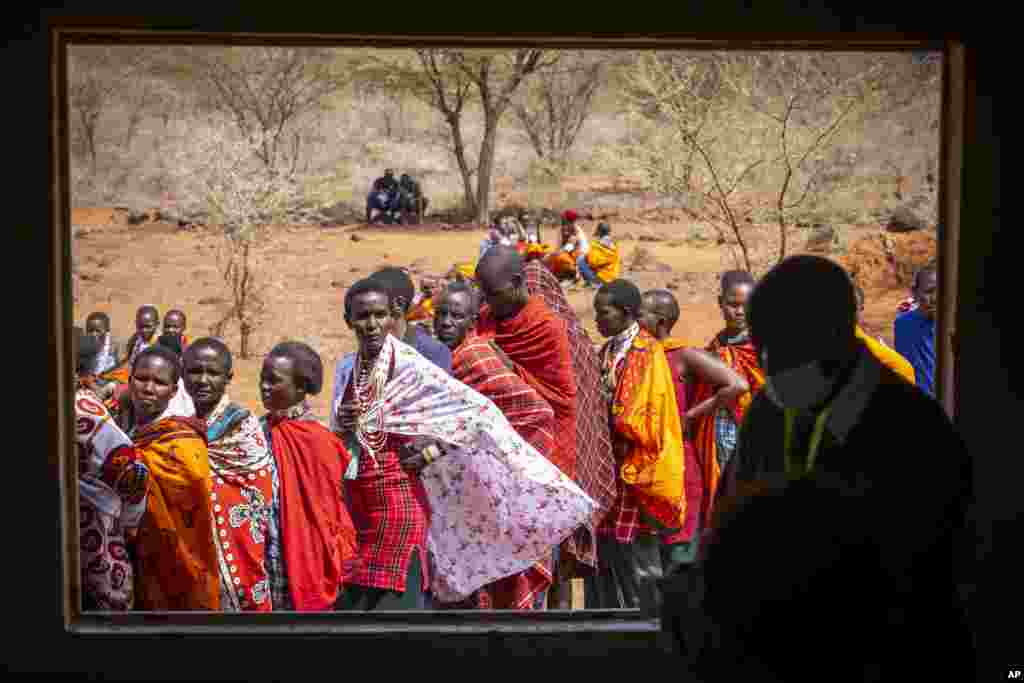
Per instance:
(465,271)
(573,245)
(889,357)
(423,310)
(599,261)
(176,561)
(647,437)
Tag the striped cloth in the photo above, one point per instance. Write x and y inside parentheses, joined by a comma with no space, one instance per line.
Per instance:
(595,464)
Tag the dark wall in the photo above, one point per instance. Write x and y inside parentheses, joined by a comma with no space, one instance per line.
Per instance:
(35,637)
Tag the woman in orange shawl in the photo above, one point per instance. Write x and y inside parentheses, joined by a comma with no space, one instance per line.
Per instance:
(562,262)
(176,560)
(715,435)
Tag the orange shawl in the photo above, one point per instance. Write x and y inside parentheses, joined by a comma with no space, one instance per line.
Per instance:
(562,264)
(424,311)
(888,357)
(537,342)
(645,414)
(318,535)
(605,261)
(177,561)
(743,359)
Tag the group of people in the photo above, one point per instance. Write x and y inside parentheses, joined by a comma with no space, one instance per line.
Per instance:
(576,259)
(391,195)
(481,452)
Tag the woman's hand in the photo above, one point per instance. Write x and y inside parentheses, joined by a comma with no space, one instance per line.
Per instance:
(347,416)
(418,453)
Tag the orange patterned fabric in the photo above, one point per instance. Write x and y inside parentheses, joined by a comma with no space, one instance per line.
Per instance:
(743,359)
(177,561)
(562,264)
(605,261)
(646,415)
(424,310)
(537,251)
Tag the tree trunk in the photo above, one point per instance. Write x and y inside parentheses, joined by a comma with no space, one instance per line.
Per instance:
(486,165)
(245,331)
(459,149)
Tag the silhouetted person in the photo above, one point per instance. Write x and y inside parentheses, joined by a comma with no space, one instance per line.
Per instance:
(839,519)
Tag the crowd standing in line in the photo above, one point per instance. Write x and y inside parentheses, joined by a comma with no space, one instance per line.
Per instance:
(481,451)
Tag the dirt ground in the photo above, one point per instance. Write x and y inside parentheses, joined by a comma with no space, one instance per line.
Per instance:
(307,269)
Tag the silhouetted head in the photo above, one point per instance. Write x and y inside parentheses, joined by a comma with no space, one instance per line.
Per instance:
(804,356)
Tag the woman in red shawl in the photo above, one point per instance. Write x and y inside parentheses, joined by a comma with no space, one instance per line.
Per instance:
(716,434)
(311,541)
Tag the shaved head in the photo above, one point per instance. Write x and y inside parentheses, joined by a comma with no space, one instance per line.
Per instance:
(659,312)
(502,281)
(500,264)
(664,302)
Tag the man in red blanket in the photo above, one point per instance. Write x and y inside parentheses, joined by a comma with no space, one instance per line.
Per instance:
(534,339)
(483,366)
(537,343)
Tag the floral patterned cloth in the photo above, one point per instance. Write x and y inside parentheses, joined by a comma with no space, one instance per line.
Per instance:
(498,506)
(112,498)
(241,472)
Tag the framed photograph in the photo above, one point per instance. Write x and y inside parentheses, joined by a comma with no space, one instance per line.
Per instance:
(145,115)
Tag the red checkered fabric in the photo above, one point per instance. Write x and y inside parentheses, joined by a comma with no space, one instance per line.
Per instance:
(390,511)
(476,364)
(623,520)
(595,464)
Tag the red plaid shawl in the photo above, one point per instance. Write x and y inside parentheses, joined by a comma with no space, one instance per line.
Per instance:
(391,514)
(595,464)
(476,364)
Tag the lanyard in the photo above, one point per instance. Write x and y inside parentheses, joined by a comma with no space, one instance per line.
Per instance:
(792,467)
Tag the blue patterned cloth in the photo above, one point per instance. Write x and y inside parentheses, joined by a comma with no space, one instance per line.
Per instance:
(280,592)
(726,436)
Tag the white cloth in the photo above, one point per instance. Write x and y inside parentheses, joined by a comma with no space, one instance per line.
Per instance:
(105,359)
(98,436)
(498,506)
(181,404)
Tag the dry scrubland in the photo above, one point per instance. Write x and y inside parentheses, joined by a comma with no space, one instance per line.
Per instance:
(124,266)
(881,161)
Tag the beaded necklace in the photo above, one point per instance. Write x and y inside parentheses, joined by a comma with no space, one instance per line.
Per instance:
(367,390)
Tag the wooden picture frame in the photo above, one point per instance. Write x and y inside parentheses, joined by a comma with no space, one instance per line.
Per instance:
(587,631)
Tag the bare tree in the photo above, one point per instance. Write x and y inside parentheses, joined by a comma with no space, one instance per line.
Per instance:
(451,80)
(98,77)
(217,171)
(555,105)
(744,115)
(268,92)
